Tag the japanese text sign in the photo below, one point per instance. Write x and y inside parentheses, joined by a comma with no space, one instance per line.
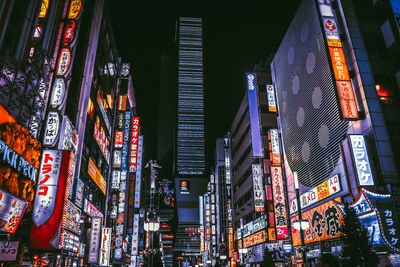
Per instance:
(347,100)
(271,98)
(339,64)
(274,147)
(134,144)
(361,159)
(135,235)
(279,203)
(258,187)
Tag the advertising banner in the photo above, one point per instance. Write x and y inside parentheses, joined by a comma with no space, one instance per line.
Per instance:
(134,144)
(101,139)
(324,222)
(135,236)
(94,240)
(96,176)
(79,190)
(51,194)
(125,142)
(105,247)
(71,218)
(9,250)
(117,159)
(138,180)
(275,156)
(119,138)
(361,160)
(279,203)
(91,210)
(230,241)
(11,211)
(254,114)
(69,241)
(271,98)
(258,187)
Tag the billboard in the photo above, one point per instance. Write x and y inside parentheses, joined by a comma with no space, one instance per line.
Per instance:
(50,207)
(271,98)
(134,144)
(361,160)
(258,187)
(96,176)
(254,115)
(138,181)
(324,222)
(279,203)
(125,142)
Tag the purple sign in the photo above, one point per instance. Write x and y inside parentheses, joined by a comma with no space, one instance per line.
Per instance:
(138,182)
(254,116)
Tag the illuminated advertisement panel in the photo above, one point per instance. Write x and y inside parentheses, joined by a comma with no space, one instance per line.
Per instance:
(43,8)
(105,246)
(54,175)
(91,209)
(324,222)
(79,190)
(119,138)
(96,176)
(64,61)
(361,160)
(138,180)
(134,144)
(230,241)
(69,33)
(101,139)
(122,102)
(135,235)
(318,193)
(94,240)
(339,64)
(275,156)
(11,211)
(58,93)
(258,188)
(271,98)
(74,9)
(347,99)
(125,142)
(254,116)
(279,203)
(51,129)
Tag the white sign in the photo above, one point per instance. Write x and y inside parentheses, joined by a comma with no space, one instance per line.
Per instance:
(271,98)
(64,61)
(361,160)
(11,212)
(58,93)
(94,240)
(116,178)
(105,247)
(258,187)
(135,235)
(8,250)
(52,127)
(46,192)
(274,141)
(117,159)
(331,30)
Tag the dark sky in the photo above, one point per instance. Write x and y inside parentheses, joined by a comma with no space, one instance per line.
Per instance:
(237,35)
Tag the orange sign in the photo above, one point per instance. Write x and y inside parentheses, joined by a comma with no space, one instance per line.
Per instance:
(334,42)
(259,237)
(96,176)
(347,100)
(74,9)
(43,8)
(271,234)
(248,241)
(122,102)
(339,64)
(324,222)
(230,244)
(323,190)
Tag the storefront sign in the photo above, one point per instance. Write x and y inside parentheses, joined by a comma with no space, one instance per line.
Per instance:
(96,176)
(279,204)
(330,28)
(125,143)
(69,33)
(80,188)
(230,241)
(64,62)
(258,187)
(91,210)
(259,237)
(116,178)
(361,159)
(274,147)
(105,247)
(52,191)
(134,144)
(71,218)
(271,98)
(254,114)
(11,211)
(119,138)
(9,250)
(74,9)
(135,235)
(58,93)
(100,100)
(324,222)
(94,241)
(69,241)
(122,102)
(259,223)
(138,181)
(347,99)
(117,159)
(51,129)
(339,64)
(323,190)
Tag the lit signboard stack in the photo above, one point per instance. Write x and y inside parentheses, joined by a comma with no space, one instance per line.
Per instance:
(213,215)
(229,195)
(345,92)
(279,200)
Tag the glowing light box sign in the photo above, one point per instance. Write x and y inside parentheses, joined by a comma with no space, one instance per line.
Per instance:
(135,236)
(274,147)
(258,188)
(52,128)
(69,33)
(138,181)
(75,9)
(361,160)
(282,231)
(64,61)
(347,99)
(125,142)
(254,116)
(271,98)
(134,144)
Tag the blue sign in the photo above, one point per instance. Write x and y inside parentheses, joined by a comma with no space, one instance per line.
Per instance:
(254,116)
(125,142)
(138,182)
(361,159)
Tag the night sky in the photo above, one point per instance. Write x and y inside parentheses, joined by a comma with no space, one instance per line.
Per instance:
(237,35)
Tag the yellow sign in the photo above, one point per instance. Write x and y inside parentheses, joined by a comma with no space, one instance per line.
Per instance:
(74,9)
(334,42)
(96,176)
(43,8)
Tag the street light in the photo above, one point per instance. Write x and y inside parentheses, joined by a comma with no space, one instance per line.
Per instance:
(300,224)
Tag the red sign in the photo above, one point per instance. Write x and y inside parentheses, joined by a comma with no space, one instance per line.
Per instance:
(134,144)
(279,203)
(339,64)
(50,199)
(347,100)
(69,33)
(235,256)
(119,138)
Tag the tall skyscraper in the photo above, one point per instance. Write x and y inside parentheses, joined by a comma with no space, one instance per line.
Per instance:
(190,114)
